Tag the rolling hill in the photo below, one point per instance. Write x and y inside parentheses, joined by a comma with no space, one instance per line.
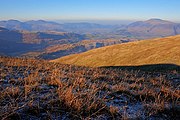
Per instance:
(60,50)
(16,43)
(12,43)
(152,51)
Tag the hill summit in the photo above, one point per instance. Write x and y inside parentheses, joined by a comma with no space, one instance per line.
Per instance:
(152,28)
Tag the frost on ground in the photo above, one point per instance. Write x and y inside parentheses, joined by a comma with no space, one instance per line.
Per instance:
(37,89)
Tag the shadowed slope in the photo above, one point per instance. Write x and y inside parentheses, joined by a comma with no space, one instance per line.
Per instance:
(149,67)
(154,51)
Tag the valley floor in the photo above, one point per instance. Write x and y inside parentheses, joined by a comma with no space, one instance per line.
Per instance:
(37,89)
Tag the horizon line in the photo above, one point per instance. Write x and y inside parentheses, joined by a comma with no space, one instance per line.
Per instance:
(90,20)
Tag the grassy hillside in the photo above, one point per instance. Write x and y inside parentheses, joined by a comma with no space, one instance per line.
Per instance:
(153,51)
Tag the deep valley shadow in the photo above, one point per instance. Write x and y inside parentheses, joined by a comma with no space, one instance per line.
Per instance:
(148,67)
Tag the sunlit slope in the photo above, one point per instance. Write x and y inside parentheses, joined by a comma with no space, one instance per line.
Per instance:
(154,51)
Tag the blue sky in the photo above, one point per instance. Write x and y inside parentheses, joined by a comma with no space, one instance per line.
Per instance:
(90,9)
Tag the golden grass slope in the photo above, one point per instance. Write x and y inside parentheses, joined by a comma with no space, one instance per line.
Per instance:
(153,51)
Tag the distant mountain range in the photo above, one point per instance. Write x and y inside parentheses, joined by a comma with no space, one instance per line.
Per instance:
(141,29)
(41,26)
(155,51)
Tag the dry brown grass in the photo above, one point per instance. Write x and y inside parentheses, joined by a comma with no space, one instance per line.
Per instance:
(37,89)
(155,51)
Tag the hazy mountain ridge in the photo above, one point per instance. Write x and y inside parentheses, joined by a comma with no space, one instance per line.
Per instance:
(141,29)
(42,25)
(85,27)
(39,25)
